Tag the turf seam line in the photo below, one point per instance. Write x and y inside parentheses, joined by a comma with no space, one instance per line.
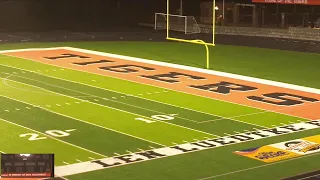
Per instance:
(123,111)
(256,167)
(163,88)
(154,100)
(11,75)
(87,122)
(44,134)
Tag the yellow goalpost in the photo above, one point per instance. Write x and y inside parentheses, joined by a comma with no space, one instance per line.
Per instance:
(195,41)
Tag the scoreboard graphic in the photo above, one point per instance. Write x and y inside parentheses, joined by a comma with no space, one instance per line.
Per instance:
(27,165)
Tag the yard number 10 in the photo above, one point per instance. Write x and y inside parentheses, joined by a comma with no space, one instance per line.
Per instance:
(157,117)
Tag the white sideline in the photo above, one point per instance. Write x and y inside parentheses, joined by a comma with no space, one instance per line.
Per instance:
(212,72)
(136,157)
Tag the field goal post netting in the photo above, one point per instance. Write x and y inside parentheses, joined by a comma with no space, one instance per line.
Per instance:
(186,24)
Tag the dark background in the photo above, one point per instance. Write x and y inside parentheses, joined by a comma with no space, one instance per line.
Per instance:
(86,15)
(28,21)
(93,15)
(81,15)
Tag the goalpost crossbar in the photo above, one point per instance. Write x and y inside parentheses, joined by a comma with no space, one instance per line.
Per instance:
(196,41)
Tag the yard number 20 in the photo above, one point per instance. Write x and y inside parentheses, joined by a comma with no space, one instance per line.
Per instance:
(54,133)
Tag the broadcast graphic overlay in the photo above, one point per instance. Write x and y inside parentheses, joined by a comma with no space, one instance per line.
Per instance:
(27,165)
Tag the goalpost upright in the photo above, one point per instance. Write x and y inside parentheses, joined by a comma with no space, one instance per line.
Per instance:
(196,41)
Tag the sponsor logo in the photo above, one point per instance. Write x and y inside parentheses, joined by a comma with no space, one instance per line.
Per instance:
(267,154)
(275,155)
(311,148)
(283,150)
(270,154)
(300,146)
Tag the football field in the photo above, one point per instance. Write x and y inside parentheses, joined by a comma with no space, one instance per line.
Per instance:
(108,116)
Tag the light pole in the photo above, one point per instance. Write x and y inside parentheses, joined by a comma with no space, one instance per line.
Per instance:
(181,8)
(223,9)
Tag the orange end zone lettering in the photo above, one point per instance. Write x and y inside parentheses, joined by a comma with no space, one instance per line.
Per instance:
(254,94)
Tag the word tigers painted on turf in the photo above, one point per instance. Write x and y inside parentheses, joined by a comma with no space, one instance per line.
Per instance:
(212,84)
(191,147)
(283,150)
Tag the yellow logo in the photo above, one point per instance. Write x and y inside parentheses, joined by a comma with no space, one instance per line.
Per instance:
(310,148)
(267,154)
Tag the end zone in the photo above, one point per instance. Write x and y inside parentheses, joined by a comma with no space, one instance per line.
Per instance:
(263,94)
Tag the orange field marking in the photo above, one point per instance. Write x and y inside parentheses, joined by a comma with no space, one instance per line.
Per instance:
(254,94)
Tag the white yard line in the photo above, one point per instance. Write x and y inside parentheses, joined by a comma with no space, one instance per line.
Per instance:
(92,158)
(90,95)
(88,122)
(173,151)
(230,118)
(62,177)
(306,90)
(119,110)
(44,134)
(244,115)
(184,67)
